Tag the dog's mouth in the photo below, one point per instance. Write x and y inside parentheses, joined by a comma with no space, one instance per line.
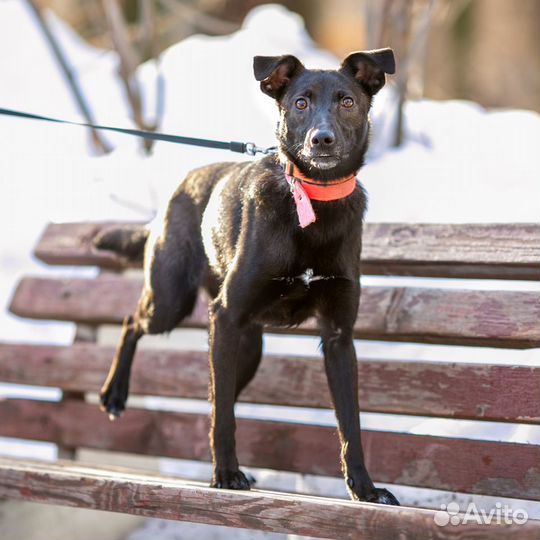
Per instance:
(324,161)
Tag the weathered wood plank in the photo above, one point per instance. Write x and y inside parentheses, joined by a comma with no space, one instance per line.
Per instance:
(498,250)
(470,466)
(72,244)
(123,490)
(503,251)
(441,389)
(463,317)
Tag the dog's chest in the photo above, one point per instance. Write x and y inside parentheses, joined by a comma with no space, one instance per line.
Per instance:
(295,298)
(306,278)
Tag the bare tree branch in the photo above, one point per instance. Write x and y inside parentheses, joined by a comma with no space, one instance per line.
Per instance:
(199,20)
(404,25)
(129,59)
(73,84)
(150,50)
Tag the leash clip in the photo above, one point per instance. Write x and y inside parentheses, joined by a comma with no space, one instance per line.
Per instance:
(252,149)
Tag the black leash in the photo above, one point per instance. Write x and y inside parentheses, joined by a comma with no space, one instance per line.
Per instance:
(242,148)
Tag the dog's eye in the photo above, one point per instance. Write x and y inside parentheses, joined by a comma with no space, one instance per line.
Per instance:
(347,102)
(301,103)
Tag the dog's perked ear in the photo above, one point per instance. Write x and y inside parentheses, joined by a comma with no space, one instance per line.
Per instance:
(369,67)
(275,72)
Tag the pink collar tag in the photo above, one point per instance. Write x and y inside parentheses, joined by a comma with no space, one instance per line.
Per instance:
(305,212)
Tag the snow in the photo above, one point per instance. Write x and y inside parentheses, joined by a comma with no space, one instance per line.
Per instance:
(459,162)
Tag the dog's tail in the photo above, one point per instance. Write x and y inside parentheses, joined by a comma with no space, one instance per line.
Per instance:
(125,240)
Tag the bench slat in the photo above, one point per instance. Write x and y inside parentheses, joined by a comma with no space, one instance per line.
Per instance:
(502,251)
(441,389)
(498,251)
(470,466)
(151,495)
(460,317)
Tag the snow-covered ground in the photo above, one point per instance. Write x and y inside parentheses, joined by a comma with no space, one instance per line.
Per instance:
(459,163)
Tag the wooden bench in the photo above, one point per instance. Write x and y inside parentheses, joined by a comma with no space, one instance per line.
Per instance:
(473,391)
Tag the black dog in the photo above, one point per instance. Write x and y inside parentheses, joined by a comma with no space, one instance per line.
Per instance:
(274,241)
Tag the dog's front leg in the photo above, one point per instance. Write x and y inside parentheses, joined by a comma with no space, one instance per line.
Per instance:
(342,373)
(224,346)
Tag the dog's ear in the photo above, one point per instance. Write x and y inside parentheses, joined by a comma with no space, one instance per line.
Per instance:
(369,67)
(275,72)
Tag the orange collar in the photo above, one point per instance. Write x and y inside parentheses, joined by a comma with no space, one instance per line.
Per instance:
(321,191)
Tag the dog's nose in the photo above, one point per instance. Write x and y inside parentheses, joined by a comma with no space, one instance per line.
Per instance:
(323,138)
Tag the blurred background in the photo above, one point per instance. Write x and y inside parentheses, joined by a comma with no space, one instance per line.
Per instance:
(456,139)
(483,50)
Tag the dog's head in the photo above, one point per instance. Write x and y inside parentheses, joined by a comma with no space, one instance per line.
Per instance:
(324,125)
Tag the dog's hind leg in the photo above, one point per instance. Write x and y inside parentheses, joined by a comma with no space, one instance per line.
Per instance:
(114,393)
(154,315)
(174,266)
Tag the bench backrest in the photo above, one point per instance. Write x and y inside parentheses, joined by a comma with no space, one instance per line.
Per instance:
(467,316)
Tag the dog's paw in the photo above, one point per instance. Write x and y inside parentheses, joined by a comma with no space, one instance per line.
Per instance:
(112,400)
(370,493)
(232,480)
(382,496)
